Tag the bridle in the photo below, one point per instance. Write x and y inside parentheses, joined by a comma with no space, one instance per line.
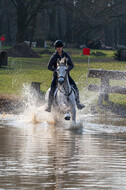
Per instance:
(66,94)
(61,77)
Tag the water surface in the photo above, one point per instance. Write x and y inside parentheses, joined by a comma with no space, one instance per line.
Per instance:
(43,156)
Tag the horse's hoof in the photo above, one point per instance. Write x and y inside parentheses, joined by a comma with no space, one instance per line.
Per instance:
(67,116)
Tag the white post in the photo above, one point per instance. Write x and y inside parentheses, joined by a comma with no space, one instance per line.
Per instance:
(88,69)
(45,44)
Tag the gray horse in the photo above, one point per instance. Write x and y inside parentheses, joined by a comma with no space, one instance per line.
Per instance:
(64,96)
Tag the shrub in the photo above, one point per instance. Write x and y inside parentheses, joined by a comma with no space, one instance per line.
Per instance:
(120,55)
(98,53)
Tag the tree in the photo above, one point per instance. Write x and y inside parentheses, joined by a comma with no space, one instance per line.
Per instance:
(92,16)
(26,11)
(7,20)
(74,21)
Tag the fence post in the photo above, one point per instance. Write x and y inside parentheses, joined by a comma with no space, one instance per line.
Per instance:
(104,89)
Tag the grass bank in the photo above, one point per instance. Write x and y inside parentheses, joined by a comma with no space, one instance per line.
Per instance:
(22,71)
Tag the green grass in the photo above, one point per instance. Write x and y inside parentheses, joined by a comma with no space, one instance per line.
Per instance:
(20,71)
(26,70)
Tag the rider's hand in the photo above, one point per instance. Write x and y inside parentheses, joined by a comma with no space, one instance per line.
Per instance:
(55,73)
(67,71)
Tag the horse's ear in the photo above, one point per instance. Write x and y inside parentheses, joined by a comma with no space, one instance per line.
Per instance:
(58,62)
(67,62)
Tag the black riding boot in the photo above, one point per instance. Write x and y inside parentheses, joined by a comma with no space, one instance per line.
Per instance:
(50,101)
(80,106)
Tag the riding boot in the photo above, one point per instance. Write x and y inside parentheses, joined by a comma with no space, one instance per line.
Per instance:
(50,101)
(79,105)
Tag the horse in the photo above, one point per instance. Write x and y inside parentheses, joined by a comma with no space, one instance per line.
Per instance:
(64,101)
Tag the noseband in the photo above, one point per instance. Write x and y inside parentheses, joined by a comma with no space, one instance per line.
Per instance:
(61,77)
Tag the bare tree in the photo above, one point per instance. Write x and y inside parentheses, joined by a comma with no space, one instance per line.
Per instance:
(26,11)
(91,16)
(69,20)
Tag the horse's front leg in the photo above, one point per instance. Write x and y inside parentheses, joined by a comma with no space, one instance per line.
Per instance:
(73,112)
(73,108)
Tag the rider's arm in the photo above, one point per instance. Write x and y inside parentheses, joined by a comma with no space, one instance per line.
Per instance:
(51,64)
(70,63)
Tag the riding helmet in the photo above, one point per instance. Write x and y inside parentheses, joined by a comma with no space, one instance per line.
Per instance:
(58,43)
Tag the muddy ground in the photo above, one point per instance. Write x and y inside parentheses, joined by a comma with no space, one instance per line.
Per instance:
(22,50)
(10,104)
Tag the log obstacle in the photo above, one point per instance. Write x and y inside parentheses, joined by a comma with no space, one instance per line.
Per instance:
(104,88)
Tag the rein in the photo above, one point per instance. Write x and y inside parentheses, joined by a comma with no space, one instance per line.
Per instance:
(65,89)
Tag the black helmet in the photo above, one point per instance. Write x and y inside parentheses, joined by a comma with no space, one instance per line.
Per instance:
(58,43)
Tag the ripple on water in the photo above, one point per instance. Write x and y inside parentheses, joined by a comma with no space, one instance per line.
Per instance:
(38,155)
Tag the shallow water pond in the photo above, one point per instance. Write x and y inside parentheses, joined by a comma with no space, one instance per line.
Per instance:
(43,156)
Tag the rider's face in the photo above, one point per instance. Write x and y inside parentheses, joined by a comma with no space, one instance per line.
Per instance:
(59,49)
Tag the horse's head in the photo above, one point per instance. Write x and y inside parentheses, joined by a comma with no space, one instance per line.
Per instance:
(62,69)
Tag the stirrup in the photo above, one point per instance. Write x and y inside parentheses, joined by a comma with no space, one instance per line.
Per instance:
(80,106)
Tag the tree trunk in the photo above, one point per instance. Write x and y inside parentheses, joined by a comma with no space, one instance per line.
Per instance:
(33,30)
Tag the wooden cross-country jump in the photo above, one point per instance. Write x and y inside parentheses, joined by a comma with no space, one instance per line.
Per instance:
(104,88)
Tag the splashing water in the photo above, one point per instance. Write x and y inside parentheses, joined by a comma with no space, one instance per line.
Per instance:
(34,111)
(34,106)
(34,114)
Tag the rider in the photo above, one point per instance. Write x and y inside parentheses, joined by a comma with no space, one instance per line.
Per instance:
(52,65)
